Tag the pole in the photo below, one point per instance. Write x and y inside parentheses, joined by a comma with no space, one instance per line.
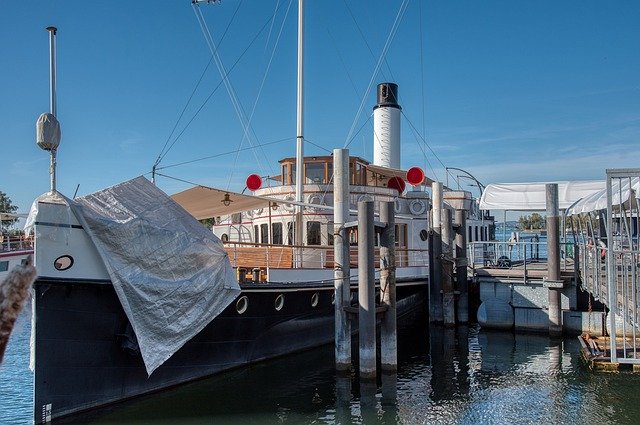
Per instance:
(553,260)
(435,286)
(448,300)
(300,127)
(388,329)
(461,266)
(52,100)
(341,254)
(366,291)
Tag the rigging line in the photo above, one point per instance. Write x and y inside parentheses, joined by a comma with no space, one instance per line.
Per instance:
(161,155)
(317,145)
(225,153)
(358,132)
(227,83)
(264,79)
(392,33)
(344,65)
(184,109)
(424,132)
(418,133)
(272,20)
(365,39)
(215,89)
(419,142)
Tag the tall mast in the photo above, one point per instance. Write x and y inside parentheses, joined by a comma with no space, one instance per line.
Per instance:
(300,122)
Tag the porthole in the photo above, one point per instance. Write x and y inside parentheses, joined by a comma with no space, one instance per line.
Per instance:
(279,303)
(242,304)
(314,299)
(424,235)
(63,263)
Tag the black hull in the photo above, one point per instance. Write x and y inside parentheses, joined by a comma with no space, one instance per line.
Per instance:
(81,336)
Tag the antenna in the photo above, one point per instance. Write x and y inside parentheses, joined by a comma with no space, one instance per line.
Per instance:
(47,126)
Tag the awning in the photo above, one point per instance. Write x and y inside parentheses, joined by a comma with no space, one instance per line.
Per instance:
(597,201)
(206,202)
(532,196)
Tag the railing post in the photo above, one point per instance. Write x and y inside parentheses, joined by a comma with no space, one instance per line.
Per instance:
(448,298)
(435,251)
(461,266)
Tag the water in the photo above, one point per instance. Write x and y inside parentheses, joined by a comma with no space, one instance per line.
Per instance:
(462,376)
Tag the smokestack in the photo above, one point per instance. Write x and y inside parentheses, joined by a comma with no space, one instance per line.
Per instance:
(386,127)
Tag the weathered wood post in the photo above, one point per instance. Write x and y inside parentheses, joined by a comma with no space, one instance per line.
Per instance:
(366,291)
(448,296)
(553,282)
(388,328)
(435,285)
(341,258)
(461,266)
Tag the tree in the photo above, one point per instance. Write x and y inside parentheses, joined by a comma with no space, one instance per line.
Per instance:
(7,207)
(530,222)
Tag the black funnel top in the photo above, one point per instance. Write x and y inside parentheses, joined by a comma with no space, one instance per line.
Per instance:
(387,95)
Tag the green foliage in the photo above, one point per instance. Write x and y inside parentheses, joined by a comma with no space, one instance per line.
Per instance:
(7,207)
(208,222)
(531,222)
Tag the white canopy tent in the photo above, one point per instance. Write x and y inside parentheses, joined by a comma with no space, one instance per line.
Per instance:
(532,196)
(621,193)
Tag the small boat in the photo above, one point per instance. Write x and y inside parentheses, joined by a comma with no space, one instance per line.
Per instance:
(13,248)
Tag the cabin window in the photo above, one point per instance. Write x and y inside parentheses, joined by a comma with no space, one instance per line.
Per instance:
(264,233)
(486,233)
(293,174)
(285,174)
(236,218)
(224,237)
(424,235)
(476,232)
(313,233)
(290,233)
(4,266)
(401,235)
(256,233)
(469,234)
(276,233)
(353,236)
(314,173)
(330,231)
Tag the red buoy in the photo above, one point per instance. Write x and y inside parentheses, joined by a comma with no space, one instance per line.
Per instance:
(415,176)
(396,183)
(254,182)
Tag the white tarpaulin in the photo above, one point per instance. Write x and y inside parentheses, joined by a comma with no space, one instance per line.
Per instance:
(532,196)
(171,274)
(597,201)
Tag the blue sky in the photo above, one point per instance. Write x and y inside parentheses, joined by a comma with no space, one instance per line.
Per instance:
(510,91)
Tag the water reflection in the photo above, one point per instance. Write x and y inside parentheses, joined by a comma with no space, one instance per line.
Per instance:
(446,376)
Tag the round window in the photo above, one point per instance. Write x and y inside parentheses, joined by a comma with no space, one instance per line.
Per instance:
(314,299)
(279,303)
(63,263)
(242,304)
(424,235)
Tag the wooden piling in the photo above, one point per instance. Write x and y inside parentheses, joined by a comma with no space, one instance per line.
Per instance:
(462,283)
(388,328)
(341,253)
(435,253)
(448,297)
(553,260)
(366,291)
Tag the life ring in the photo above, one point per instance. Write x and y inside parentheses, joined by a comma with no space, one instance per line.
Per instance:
(286,204)
(417,207)
(316,199)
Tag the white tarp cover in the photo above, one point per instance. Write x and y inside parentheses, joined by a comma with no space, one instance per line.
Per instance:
(532,196)
(621,191)
(171,274)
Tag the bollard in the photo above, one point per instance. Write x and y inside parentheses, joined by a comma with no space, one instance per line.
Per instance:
(388,327)
(366,291)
